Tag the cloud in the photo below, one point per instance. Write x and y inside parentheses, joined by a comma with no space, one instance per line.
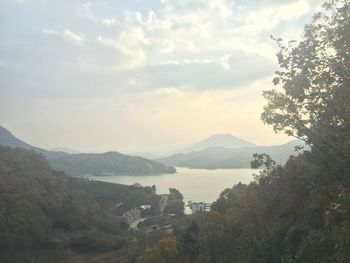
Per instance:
(108,42)
(222,7)
(239,69)
(76,39)
(224,60)
(195,28)
(270,17)
(109,21)
(170,92)
(86,9)
(130,43)
(171,45)
(50,31)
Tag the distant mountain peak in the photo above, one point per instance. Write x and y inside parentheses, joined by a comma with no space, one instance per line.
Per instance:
(222,134)
(226,140)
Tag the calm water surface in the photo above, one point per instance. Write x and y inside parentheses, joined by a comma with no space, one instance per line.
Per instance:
(194,184)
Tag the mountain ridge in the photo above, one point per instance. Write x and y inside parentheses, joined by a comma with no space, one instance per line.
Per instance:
(217,157)
(111,163)
(9,140)
(64,149)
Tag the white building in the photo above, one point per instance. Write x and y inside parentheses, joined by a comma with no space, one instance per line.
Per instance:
(145,207)
(199,207)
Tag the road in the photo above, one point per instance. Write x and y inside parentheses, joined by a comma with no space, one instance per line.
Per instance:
(162,203)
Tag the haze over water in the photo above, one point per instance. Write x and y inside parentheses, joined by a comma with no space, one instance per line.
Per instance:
(194,184)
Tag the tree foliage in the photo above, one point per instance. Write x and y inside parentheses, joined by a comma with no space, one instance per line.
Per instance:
(165,251)
(175,204)
(312,98)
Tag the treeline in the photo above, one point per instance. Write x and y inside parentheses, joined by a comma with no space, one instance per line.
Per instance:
(289,214)
(299,212)
(42,210)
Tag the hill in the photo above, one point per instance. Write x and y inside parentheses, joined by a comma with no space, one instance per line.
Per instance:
(221,157)
(110,163)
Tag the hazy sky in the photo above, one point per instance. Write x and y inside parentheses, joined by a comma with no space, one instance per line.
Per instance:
(140,75)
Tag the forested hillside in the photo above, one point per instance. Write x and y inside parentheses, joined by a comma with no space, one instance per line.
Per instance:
(42,210)
(299,212)
(109,163)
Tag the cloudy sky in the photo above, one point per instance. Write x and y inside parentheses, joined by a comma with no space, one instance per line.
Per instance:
(140,75)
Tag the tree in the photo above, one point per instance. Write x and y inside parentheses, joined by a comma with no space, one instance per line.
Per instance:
(176,193)
(175,204)
(263,160)
(312,101)
(189,241)
(165,251)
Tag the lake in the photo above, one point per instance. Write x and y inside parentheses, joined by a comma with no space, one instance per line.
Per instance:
(194,184)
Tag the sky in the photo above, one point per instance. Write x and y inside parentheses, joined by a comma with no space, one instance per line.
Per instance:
(141,75)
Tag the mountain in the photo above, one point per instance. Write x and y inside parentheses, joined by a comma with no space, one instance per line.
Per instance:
(9,140)
(88,163)
(110,163)
(221,157)
(219,140)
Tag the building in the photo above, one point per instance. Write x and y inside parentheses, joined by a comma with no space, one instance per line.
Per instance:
(145,207)
(199,207)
